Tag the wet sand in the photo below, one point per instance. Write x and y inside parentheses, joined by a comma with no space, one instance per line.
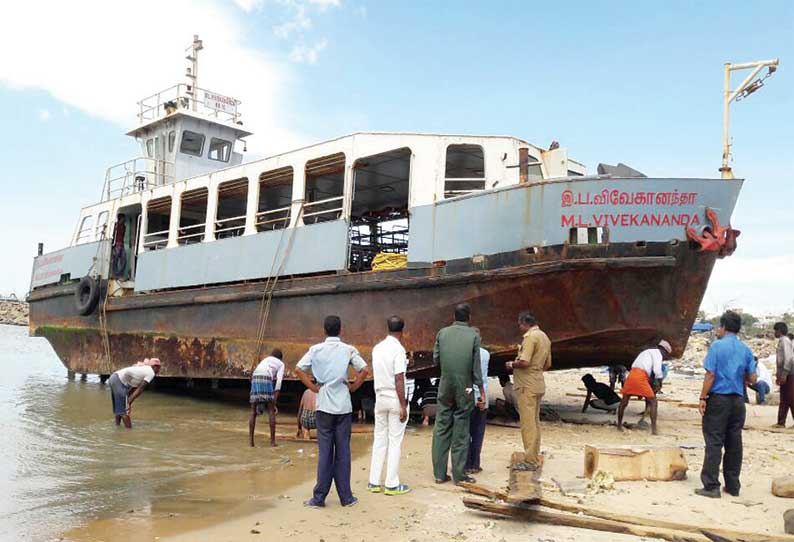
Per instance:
(254,505)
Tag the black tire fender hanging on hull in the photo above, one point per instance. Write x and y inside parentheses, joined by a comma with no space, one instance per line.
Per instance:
(86,296)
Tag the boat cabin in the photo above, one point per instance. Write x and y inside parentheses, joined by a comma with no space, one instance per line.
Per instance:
(352,195)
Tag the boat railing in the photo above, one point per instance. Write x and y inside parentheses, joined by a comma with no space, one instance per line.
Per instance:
(188,98)
(188,234)
(274,219)
(230,227)
(155,240)
(136,175)
(323,210)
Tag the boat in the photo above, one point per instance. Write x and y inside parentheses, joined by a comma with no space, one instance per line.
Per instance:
(208,262)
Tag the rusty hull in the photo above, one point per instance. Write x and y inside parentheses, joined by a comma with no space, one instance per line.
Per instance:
(600,304)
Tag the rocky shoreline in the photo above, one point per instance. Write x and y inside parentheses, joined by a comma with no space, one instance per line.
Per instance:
(14,313)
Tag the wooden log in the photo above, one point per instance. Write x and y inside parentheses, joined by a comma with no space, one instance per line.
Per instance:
(783,487)
(726,534)
(581,522)
(484,491)
(523,486)
(658,463)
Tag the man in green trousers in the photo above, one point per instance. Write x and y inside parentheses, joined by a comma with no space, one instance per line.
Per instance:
(457,353)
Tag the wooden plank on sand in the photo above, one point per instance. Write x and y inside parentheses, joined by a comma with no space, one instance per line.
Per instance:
(728,534)
(523,486)
(582,522)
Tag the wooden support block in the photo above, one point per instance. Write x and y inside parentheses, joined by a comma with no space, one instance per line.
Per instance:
(523,486)
(783,487)
(660,463)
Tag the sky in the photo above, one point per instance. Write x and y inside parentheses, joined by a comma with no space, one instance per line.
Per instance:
(632,82)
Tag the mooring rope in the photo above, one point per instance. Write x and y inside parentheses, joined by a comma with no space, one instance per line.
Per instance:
(270,285)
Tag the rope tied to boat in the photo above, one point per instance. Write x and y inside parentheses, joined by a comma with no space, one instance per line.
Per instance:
(271,282)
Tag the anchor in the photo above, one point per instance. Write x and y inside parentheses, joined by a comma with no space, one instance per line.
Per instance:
(715,238)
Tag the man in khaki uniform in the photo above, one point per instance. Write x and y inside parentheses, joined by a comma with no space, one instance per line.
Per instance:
(534,357)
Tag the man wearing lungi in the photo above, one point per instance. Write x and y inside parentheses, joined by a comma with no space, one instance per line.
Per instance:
(265,386)
(307,414)
(645,380)
(127,384)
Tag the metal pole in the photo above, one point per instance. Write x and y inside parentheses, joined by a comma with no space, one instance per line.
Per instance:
(726,145)
(195,69)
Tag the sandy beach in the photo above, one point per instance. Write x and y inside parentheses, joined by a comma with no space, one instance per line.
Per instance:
(273,509)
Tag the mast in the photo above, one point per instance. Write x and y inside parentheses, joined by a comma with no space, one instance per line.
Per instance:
(192,71)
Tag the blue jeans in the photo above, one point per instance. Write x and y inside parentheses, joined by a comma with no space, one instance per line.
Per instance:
(761,389)
(477,434)
(333,457)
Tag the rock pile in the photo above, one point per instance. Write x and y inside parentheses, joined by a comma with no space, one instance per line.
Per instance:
(14,313)
(691,363)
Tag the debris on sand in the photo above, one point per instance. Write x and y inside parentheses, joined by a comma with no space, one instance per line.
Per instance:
(601,481)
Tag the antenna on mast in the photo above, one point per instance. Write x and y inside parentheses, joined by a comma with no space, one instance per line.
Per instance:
(192,71)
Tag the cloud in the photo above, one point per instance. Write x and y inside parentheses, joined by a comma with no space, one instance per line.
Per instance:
(309,55)
(298,24)
(94,63)
(44,115)
(326,3)
(248,5)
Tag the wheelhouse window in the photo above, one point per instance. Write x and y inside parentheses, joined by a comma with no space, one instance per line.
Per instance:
(85,231)
(220,149)
(101,226)
(465,170)
(379,213)
(275,199)
(150,147)
(192,216)
(158,218)
(325,184)
(192,143)
(171,140)
(232,206)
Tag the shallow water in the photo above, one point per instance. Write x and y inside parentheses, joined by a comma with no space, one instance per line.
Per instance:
(67,471)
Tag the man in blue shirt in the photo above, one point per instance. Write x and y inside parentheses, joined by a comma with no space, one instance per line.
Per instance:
(729,365)
(479,418)
(328,362)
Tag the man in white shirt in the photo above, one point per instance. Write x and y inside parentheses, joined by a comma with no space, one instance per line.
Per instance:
(479,418)
(389,363)
(644,380)
(265,386)
(763,383)
(127,384)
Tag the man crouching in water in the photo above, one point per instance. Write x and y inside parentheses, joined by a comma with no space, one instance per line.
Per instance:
(127,384)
